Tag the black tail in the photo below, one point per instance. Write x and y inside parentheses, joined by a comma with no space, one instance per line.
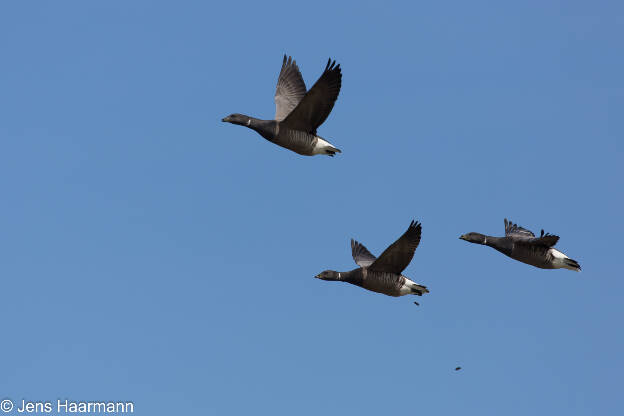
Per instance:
(332,151)
(572,265)
(419,290)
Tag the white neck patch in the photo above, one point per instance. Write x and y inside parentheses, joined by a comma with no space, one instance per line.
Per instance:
(248,122)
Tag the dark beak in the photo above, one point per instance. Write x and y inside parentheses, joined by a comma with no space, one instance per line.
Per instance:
(462,237)
(224,119)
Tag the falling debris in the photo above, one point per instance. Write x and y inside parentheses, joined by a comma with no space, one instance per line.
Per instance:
(457,368)
(416,303)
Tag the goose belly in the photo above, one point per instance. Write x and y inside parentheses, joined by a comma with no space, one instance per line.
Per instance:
(537,258)
(541,263)
(298,141)
(387,283)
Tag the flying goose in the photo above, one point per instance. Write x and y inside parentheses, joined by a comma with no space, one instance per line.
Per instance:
(298,113)
(383,274)
(522,245)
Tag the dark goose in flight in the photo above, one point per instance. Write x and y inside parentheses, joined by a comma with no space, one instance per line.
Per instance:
(383,274)
(298,113)
(522,245)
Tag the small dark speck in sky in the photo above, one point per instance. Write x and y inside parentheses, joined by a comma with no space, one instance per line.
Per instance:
(457,368)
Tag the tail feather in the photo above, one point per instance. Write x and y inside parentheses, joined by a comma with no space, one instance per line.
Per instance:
(561,261)
(323,147)
(419,289)
(572,264)
(331,151)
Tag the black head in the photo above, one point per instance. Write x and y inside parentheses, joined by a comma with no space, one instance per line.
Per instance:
(473,238)
(328,275)
(239,119)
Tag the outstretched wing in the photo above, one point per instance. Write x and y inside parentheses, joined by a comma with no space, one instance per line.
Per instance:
(399,255)
(361,255)
(514,230)
(525,240)
(544,240)
(316,105)
(290,89)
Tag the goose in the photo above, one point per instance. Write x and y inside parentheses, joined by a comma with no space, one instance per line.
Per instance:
(298,113)
(383,274)
(522,245)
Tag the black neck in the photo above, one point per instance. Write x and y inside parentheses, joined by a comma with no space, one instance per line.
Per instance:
(502,244)
(343,276)
(490,241)
(266,128)
(353,276)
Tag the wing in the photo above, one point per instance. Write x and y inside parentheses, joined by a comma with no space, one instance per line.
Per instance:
(534,250)
(361,255)
(398,256)
(314,108)
(514,230)
(530,249)
(290,89)
(547,240)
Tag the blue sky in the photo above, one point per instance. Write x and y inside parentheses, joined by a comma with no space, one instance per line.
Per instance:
(151,253)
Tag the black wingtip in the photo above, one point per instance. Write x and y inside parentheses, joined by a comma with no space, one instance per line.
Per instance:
(288,61)
(331,65)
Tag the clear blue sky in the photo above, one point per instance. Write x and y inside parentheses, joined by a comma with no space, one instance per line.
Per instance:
(150,252)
